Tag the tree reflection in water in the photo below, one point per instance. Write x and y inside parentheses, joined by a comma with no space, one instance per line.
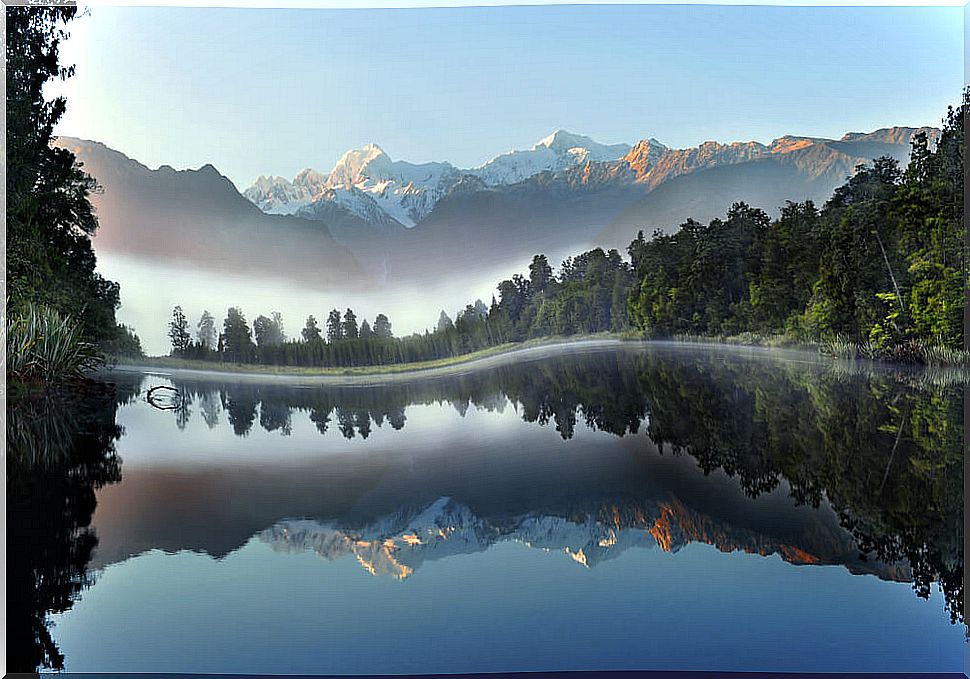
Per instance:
(883,448)
(60,450)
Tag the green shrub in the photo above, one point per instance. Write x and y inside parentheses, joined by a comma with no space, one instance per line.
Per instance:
(43,344)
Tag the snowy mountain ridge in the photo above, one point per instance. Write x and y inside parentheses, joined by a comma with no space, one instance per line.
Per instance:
(367,183)
(407,192)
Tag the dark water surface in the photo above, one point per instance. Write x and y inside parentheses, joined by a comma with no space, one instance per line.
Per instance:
(645,507)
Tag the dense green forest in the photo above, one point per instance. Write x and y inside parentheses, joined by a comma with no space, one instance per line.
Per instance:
(60,311)
(878,271)
(880,265)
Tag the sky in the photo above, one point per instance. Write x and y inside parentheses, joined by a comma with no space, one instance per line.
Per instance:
(268,91)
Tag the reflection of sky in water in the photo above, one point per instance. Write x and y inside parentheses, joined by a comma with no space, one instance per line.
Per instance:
(246,601)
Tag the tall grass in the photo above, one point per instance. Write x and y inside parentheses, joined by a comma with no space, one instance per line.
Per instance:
(43,344)
(841,346)
(914,350)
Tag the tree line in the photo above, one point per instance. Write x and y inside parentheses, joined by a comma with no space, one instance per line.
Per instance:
(588,294)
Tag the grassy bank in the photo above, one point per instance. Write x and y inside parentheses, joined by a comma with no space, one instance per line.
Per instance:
(45,346)
(750,339)
(917,352)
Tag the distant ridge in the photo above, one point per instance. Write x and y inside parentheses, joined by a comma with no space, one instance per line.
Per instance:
(199,216)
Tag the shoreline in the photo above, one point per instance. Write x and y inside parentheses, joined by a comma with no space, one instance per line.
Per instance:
(488,358)
(363,375)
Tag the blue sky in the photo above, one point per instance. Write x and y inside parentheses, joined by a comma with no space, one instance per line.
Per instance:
(263,91)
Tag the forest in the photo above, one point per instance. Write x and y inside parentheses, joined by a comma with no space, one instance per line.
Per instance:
(876,272)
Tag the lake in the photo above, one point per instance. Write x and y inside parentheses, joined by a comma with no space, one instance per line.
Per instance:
(588,507)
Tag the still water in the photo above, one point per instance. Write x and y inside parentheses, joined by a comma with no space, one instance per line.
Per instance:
(592,507)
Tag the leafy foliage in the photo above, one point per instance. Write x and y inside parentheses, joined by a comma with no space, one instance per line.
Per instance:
(123,344)
(236,341)
(311,331)
(178,331)
(206,331)
(44,344)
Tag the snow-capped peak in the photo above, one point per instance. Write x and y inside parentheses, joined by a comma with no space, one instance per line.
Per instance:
(309,178)
(563,140)
(277,195)
(358,165)
(370,184)
(558,151)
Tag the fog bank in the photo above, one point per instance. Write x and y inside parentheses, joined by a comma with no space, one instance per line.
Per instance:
(149,291)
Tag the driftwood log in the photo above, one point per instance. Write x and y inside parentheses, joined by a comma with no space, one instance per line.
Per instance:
(152,396)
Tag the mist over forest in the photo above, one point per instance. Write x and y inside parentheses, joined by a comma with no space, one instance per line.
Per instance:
(153,289)
(411,240)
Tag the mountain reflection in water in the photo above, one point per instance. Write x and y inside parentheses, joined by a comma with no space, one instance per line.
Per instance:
(774,454)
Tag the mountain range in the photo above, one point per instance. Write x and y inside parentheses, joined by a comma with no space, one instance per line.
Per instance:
(375,188)
(372,219)
(662,502)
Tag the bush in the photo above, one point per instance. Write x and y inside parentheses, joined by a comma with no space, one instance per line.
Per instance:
(43,344)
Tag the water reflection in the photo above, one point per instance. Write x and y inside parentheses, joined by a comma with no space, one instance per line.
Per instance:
(884,447)
(60,450)
(814,462)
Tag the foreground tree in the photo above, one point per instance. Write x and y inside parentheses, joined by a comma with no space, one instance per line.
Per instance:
(268,331)
(334,329)
(444,322)
(540,273)
(50,219)
(382,327)
(237,341)
(859,256)
(928,213)
(349,329)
